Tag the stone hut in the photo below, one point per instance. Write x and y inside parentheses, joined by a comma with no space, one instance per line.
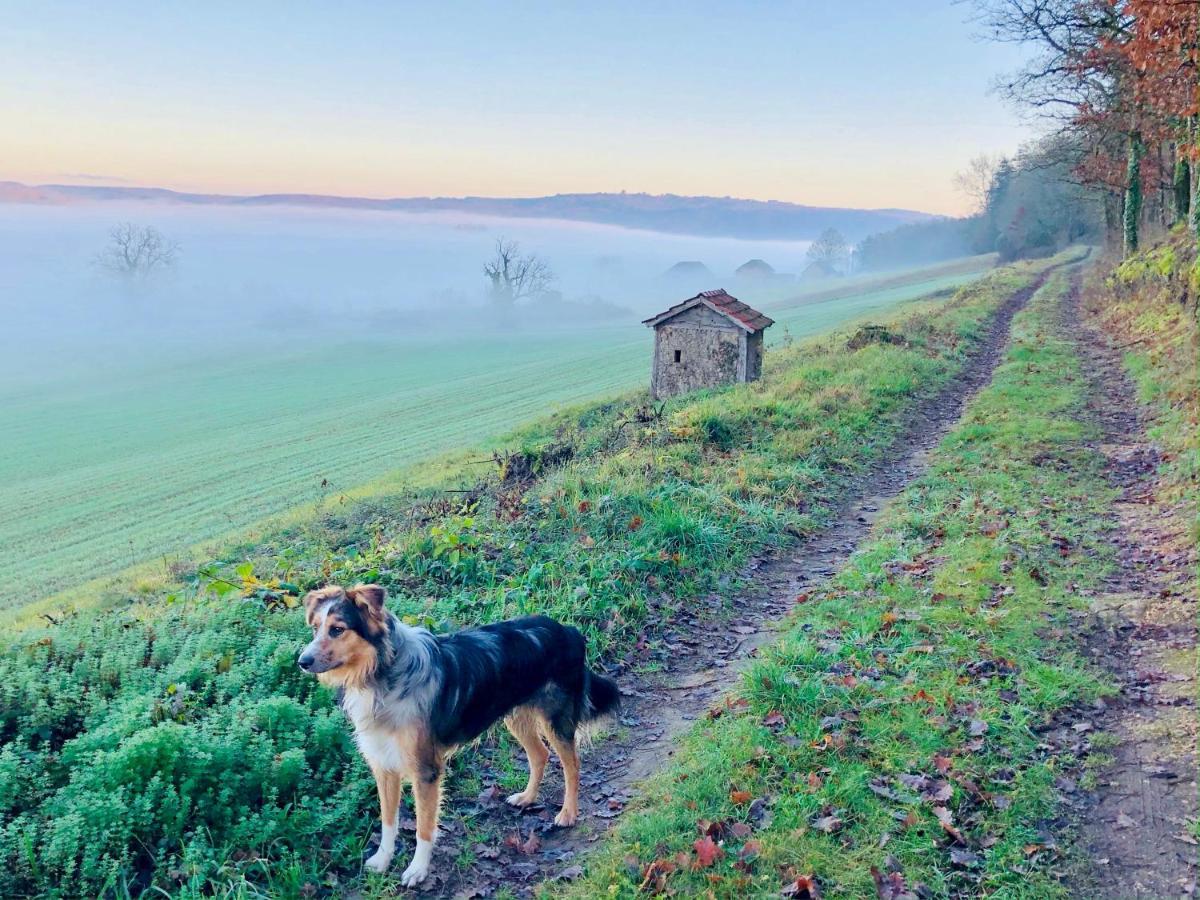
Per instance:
(709,340)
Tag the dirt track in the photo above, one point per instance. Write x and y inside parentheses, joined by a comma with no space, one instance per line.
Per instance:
(1136,828)
(699,659)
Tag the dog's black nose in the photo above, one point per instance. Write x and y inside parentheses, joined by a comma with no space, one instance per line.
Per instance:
(306,662)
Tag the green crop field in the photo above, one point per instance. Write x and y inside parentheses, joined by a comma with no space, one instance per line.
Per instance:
(96,477)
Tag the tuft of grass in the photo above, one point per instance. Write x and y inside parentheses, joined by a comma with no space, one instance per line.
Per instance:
(896,725)
(171,743)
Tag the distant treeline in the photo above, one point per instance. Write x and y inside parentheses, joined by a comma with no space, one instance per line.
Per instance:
(1031,206)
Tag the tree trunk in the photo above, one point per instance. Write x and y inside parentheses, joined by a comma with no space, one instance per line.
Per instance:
(1112,220)
(1133,192)
(1182,188)
(1196,176)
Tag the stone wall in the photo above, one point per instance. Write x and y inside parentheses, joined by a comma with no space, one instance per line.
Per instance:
(694,350)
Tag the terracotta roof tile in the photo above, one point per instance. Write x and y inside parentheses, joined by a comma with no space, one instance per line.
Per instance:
(730,307)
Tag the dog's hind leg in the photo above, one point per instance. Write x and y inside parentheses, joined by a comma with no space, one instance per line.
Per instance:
(427,798)
(524,727)
(388,784)
(568,755)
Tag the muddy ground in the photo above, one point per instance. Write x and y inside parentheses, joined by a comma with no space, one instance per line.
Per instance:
(695,659)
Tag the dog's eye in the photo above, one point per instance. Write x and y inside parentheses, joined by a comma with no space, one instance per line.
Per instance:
(336,631)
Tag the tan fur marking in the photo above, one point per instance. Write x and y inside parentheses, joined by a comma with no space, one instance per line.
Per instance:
(568,755)
(427,768)
(314,599)
(369,600)
(427,798)
(388,784)
(358,662)
(525,725)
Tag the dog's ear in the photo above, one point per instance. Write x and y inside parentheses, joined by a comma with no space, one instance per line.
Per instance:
(313,599)
(369,600)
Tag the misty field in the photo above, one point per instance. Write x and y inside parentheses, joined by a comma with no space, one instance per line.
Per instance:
(142,463)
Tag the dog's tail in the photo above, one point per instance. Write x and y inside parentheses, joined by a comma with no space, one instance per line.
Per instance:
(602,697)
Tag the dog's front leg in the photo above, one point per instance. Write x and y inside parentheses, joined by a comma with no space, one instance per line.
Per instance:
(427,797)
(388,785)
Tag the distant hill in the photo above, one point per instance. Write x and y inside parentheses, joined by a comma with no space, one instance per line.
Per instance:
(700,216)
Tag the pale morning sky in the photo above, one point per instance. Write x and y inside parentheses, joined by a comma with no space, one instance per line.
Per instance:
(868,103)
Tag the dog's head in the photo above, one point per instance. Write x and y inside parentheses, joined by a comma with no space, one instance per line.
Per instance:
(348,625)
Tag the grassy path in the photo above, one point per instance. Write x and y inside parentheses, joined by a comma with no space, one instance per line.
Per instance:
(905,730)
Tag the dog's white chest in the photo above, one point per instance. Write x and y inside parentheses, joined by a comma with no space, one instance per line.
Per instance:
(377,743)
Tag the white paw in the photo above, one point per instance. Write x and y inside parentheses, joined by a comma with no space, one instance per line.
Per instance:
(415,873)
(379,861)
(566,819)
(520,799)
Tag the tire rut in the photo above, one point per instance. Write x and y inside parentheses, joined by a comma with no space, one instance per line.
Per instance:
(1136,827)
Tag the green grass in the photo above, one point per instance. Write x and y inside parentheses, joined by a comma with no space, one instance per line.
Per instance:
(916,681)
(1148,304)
(170,742)
(100,476)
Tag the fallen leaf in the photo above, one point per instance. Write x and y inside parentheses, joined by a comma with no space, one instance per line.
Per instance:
(739,798)
(570,873)
(891,886)
(707,852)
(654,876)
(963,857)
(758,813)
(803,887)
(487,851)
(490,793)
(828,824)
(946,820)
(750,851)
(1124,821)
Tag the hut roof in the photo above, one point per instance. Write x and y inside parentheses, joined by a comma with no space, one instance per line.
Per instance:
(755,267)
(720,302)
(689,267)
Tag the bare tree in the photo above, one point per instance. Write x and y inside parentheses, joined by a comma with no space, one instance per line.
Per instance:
(515,277)
(975,181)
(136,251)
(1075,69)
(829,249)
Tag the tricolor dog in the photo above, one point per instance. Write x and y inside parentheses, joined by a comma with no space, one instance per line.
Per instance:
(415,697)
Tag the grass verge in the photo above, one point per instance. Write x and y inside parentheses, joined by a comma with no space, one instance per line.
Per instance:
(1148,303)
(890,741)
(171,744)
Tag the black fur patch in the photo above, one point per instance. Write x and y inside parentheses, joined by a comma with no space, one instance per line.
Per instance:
(347,610)
(488,672)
